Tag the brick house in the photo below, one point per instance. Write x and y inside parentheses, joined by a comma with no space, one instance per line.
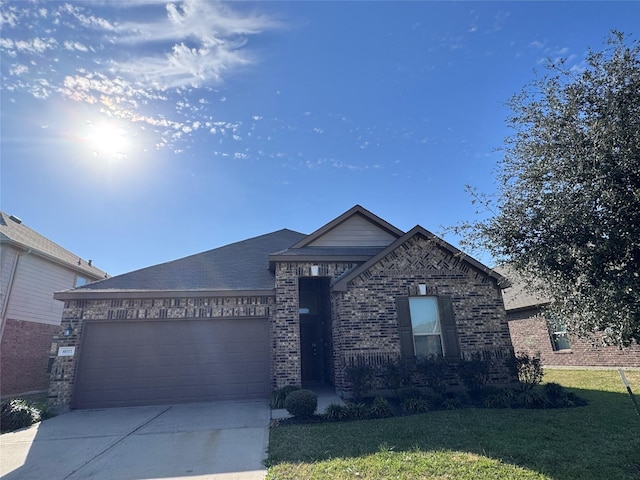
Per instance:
(532,332)
(277,309)
(32,267)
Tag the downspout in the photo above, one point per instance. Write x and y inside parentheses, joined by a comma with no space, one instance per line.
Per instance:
(5,305)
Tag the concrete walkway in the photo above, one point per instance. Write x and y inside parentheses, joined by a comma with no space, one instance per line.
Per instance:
(217,441)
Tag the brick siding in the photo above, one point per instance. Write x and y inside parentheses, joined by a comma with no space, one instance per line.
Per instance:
(365,317)
(24,356)
(529,333)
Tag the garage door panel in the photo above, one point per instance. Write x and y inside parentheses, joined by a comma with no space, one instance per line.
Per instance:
(140,363)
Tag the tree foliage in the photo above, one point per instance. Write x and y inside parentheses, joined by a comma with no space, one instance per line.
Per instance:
(566,216)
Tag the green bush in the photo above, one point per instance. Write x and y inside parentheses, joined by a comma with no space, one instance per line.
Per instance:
(279,395)
(357,411)
(406,393)
(361,379)
(17,413)
(434,369)
(380,408)
(301,403)
(336,412)
(435,400)
(530,371)
(474,373)
(398,374)
(415,405)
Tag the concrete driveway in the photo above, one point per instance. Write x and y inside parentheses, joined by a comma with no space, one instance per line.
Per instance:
(217,440)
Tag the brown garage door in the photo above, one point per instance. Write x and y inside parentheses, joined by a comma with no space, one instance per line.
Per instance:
(173,361)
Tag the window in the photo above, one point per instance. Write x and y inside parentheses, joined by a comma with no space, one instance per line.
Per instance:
(427,326)
(80,281)
(425,323)
(558,332)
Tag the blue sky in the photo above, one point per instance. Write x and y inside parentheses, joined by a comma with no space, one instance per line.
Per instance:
(138,132)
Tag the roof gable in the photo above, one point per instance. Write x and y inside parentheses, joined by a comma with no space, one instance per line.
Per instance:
(341,283)
(355,228)
(14,232)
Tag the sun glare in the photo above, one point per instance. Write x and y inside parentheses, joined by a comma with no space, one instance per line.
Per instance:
(108,139)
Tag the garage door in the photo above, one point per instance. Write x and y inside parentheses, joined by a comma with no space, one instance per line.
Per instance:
(174,361)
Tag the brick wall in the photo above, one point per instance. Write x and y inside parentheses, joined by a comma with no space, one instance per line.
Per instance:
(365,318)
(529,333)
(24,356)
(285,323)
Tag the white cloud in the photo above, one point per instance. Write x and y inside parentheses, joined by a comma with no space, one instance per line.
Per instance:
(130,67)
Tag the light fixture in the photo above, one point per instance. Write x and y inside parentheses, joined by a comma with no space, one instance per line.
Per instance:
(67,331)
(422,288)
(315,270)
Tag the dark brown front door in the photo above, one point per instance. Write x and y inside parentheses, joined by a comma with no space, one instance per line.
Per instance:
(311,348)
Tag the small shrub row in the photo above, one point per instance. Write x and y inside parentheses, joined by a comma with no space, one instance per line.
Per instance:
(435,372)
(379,408)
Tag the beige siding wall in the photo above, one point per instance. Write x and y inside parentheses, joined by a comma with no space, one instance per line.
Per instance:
(8,257)
(32,293)
(355,232)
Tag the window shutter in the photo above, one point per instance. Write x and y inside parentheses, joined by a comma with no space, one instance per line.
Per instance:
(448,327)
(405,330)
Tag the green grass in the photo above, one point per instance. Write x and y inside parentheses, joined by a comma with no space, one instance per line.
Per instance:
(598,441)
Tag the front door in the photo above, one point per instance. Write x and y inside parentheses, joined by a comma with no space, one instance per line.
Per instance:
(315,330)
(311,348)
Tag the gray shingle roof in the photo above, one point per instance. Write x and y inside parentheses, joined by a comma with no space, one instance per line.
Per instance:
(242,265)
(517,297)
(13,231)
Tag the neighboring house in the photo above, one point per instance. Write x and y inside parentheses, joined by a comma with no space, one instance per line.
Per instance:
(534,333)
(279,309)
(31,269)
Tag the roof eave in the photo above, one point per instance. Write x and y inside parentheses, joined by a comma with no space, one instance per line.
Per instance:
(95,275)
(116,294)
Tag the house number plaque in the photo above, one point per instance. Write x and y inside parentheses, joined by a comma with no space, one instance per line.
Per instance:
(66,351)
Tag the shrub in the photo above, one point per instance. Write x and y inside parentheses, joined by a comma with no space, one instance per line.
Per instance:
(408,392)
(301,403)
(474,373)
(453,401)
(500,399)
(361,379)
(529,369)
(17,413)
(398,374)
(357,411)
(279,395)
(415,405)
(434,368)
(380,408)
(336,412)
(529,399)
(435,400)
(558,397)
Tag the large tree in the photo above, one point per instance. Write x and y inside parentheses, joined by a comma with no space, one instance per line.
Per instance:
(566,216)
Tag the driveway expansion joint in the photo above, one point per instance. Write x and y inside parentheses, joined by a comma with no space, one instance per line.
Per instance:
(119,440)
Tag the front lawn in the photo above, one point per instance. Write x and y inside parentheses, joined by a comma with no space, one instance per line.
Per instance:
(601,440)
